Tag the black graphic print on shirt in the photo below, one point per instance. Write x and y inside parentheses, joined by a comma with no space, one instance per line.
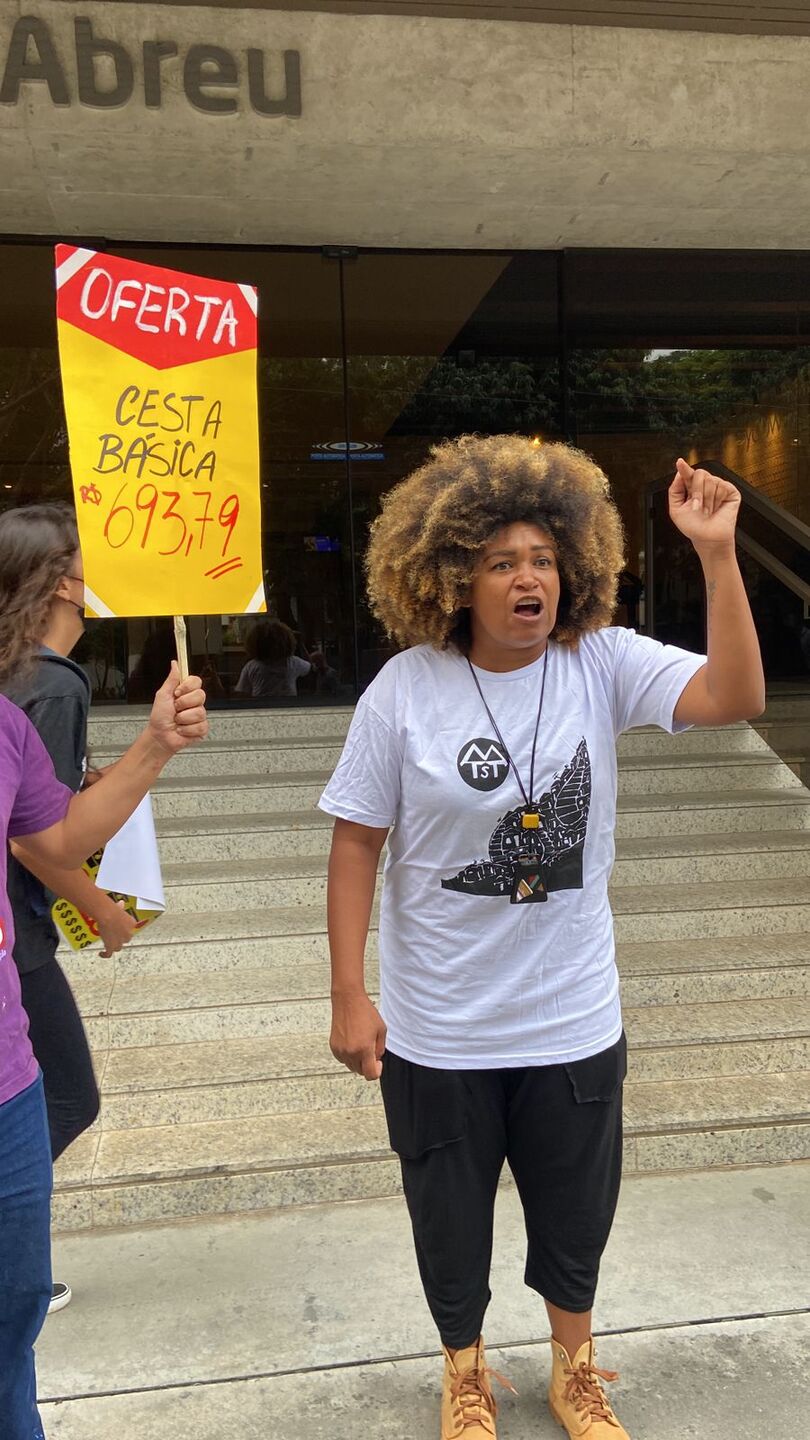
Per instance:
(482,764)
(558,843)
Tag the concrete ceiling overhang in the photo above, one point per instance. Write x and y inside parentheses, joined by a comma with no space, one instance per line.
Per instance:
(417,131)
(740,17)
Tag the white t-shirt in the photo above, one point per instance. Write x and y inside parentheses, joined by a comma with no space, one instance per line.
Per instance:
(470,980)
(260,680)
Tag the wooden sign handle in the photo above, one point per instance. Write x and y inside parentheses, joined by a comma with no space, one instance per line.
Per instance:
(181,641)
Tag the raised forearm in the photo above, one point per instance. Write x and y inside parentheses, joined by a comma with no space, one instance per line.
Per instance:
(731,686)
(734,676)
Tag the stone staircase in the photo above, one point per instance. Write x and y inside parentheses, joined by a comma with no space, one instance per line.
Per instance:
(785,726)
(219,1091)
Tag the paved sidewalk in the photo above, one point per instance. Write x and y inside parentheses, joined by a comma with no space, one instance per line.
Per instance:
(310,1324)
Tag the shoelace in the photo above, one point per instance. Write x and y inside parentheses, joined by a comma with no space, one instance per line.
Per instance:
(586,1394)
(472,1393)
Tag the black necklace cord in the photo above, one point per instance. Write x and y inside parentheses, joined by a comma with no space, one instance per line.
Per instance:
(528,800)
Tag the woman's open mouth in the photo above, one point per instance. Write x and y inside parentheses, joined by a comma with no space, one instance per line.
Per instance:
(529,609)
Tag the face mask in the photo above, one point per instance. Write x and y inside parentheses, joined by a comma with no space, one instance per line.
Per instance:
(78,608)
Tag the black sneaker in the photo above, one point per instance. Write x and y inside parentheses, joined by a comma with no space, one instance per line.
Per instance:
(61,1295)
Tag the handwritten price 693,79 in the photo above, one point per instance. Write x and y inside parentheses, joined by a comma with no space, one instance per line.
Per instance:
(154,514)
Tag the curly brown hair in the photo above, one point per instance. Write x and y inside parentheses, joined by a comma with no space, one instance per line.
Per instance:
(426,544)
(270,641)
(38,544)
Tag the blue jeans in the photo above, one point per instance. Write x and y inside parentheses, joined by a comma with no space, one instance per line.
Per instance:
(25,1256)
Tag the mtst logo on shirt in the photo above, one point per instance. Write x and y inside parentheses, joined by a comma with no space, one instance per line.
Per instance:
(482,764)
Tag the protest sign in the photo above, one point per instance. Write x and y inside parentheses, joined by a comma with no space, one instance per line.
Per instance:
(159,379)
(128,869)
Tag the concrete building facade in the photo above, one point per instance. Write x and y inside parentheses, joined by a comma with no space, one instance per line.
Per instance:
(260,125)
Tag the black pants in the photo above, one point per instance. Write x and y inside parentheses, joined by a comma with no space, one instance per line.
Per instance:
(60,1045)
(559,1127)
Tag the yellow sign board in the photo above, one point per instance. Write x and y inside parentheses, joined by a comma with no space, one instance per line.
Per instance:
(159,378)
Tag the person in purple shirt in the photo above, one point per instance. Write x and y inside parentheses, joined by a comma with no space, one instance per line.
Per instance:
(42,586)
(58,829)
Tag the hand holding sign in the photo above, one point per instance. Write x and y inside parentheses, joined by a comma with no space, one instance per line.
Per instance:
(178,715)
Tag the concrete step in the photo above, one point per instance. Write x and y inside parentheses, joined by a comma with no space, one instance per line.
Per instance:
(132,1176)
(301,879)
(284,1000)
(638,775)
(189,1084)
(786,705)
(786,736)
(154,979)
(775,960)
(235,794)
(232,793)
(712,812)
(707,910)
(287,757)
(164,1082)
(680,859)
(784,727)
(284,758)
(249,938)
(222,940)
(727,967)
(188,839)
(650,740)
(112,730)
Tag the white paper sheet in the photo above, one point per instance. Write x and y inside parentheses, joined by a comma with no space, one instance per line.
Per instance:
(131,864)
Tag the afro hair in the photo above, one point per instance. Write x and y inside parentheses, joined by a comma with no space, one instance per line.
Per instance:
(426,543)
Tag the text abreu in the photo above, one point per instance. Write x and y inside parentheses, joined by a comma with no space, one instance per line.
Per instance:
(214,79)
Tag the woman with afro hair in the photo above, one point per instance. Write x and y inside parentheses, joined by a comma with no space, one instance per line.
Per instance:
(485,753)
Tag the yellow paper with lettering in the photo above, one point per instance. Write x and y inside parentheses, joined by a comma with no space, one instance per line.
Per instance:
(159,379)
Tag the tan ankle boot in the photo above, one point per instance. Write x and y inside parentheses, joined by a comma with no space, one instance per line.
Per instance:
(468,1404)
(576,1398)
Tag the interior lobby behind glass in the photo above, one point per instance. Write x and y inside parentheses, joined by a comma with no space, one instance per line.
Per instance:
(367,360)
